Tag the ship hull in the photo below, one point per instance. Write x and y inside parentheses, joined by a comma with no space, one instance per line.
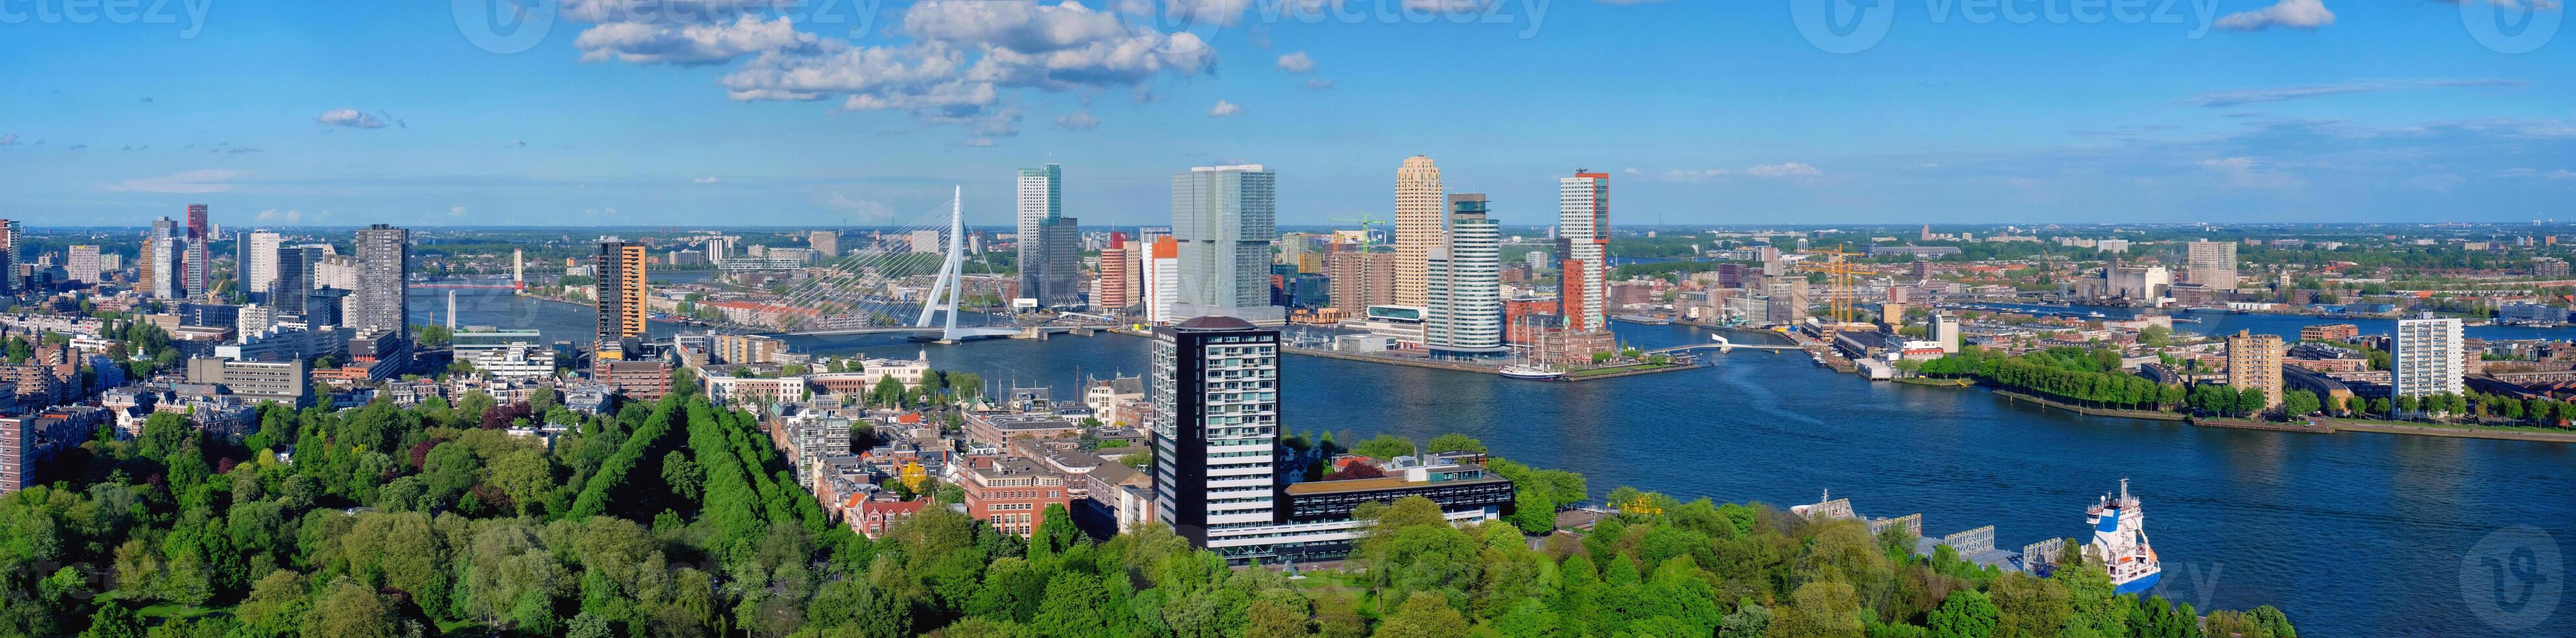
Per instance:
(2139,585)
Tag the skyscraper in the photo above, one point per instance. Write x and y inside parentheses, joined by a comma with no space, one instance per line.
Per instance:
(1583,240)
(1049,243)
(2254,361)
(383,295)
(2212,264)
(196,221)
(1216,428)
(294,278)
(1117,275)
(255,261)
(1360,279)
(1225,218)
(12,234)
(83,265)
(1466,283)
(1417,228)
(2426,358)
(164,247)
(619,267)
(196,271)
(1160,280)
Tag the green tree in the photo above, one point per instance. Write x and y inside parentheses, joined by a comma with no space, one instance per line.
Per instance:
(113,620)
(1424,615)
(1967,613)
(1454,442)
(1384,446)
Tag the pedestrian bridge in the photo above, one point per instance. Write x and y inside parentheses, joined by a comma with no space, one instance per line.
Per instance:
(1721,344)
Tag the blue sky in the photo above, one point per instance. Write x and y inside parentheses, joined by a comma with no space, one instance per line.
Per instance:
(733,112)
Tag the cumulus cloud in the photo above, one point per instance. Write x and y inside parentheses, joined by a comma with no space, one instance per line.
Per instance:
(710,179)
(281,215)
(349,118)
(2237,97)
(1225,109)
(2562,174)
(1077,121)
(2297,14)
(213,180)
(689,44)
(1297,62)
(661,11)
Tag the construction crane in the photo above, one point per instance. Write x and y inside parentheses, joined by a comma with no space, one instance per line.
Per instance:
(1838,274)
(1368,236)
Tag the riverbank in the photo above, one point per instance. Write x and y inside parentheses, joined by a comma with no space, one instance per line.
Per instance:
(2318,426)
(2460,431)
(2150,415)
(1578,375)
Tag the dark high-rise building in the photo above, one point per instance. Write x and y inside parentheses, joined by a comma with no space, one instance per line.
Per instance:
(1216,427)
(1050,244)
(294,277)
(384,301)
(619,267)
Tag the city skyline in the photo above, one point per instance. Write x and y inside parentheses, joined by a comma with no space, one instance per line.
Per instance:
(2244,111)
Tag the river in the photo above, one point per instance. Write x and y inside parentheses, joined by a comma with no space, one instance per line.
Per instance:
(2352,534)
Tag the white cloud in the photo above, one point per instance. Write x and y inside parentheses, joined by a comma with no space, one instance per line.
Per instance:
(2439,182)
(688,45)
(861,209)
(2238,97)
(1207,12)
(289,216)
(212,180)
(1789,169)
(1318,84)
(663,11)
(1026,27)
(350,118)
(710,179)
(976,142)
(518,143)
(2300,14)
(1077,121)
(2562,174)
(1225,109)
(8,139)
(1297,62)
(456,211)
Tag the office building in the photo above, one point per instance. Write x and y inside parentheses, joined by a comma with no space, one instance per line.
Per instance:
(2254,361)
(83,265)
(619,268)
(255,263)
(1465,283)
(1117,276)
(513,354)
(1360,280)
(196,274)
(326,307)
(2212,264)
(1049,243)
(747,348)
(1583,242)
(1225,218)
(286,382)
(383,294)
(2426,358)
(825,245)
(1159,283)
(925,241)
(1012,493)
(1417,228)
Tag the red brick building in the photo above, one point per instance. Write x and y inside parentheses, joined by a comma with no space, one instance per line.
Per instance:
(1013,493)
(871,518)
(637,380)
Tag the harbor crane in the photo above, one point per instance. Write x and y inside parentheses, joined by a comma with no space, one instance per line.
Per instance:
(1838,273)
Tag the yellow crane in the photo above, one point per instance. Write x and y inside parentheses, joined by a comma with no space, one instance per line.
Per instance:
(1838,274)
(1368,236)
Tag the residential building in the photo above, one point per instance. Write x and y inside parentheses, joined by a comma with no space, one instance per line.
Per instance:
(1012,493)
(619,269)
(1225,218)
(1216,428)
(83,265)
(383,294)
(1418,230)
(1464,280)
(1359,280)
(825,244)
(636,380)
(286,382)
(1583,240)
(747,348)
(514,354)
(2342,332)
(2212,264)
(163,269)
(2425,358)
(1117,276)
(2254,361)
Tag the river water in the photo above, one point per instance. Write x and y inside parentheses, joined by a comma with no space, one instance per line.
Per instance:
(2352,534)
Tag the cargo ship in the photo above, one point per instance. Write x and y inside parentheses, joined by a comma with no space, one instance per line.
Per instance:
(2120,542)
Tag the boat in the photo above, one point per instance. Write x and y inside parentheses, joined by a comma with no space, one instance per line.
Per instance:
(1644,319)
(2097,314)
(2215,310)
(1530,372)
(2120,542)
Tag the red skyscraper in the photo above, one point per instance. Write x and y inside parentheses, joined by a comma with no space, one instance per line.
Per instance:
(196,221)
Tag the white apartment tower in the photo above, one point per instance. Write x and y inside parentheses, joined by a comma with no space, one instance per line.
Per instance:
(1583,241)
(1466,283)
(258,261)
(1417,228)
(2426,358)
